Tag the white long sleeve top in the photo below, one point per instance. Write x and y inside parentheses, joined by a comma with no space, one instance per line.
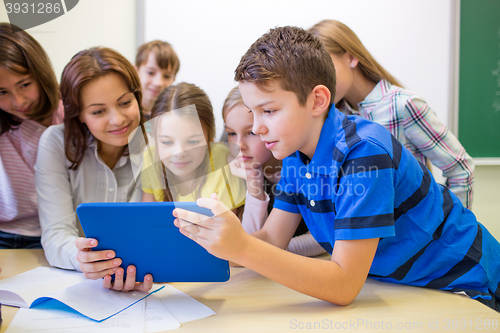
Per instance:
(60,191)
(254,217)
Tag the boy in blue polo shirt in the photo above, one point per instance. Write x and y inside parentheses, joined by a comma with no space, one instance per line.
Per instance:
(363,196)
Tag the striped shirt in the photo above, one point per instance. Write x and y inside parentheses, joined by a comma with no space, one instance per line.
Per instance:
(18,201)
(409,118)
(362,183)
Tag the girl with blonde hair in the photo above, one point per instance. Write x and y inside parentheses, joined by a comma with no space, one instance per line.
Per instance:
(185,163)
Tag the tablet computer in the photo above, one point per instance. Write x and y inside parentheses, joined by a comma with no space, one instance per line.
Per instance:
(144,235)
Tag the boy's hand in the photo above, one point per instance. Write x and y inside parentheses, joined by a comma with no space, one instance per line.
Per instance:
(102,264)
(221,235)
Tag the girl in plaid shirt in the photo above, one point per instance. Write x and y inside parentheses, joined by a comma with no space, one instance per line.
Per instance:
(365,88)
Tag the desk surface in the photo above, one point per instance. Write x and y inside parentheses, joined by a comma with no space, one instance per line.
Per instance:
(249,302)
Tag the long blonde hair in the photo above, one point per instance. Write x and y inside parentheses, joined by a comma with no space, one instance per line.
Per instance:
(339,39)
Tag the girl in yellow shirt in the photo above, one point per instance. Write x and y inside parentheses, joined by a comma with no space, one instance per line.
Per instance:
(184,163)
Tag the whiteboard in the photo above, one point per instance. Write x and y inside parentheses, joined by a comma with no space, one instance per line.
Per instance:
(413,39)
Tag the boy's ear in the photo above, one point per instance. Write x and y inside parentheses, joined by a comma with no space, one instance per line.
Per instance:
(321,100)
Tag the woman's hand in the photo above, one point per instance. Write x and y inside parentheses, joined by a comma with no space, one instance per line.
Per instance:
(102,264)
(129,283)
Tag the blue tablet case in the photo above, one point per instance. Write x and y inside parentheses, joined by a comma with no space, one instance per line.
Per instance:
(144,235)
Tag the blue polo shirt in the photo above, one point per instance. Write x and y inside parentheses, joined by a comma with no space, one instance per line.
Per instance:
(362,183)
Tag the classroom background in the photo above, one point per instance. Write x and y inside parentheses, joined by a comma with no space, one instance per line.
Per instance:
(416,40)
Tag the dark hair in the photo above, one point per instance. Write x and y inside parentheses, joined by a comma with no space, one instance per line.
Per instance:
(293,57)
(85,66)
(22,54)
(176,97)
(165,55)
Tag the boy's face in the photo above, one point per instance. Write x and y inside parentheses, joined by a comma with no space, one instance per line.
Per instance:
(282,123)
(153,80)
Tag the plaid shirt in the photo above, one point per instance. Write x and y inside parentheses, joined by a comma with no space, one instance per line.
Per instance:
(409,118)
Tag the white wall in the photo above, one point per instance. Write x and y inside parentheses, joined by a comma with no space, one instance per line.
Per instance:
(412,38)
(110,23)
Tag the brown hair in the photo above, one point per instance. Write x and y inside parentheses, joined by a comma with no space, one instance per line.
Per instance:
(85,66)
(176,97)
(339,39)
(293,57)
(22,54)
(165,55)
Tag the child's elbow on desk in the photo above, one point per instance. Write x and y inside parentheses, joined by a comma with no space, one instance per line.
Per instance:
(343,298)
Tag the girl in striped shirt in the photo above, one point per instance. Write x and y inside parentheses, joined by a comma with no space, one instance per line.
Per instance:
(365,88)
(29,103)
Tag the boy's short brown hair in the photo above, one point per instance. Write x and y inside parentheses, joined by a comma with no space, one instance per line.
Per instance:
(293,57)
(165,56)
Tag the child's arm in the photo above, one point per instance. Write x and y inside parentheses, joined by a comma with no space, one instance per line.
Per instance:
(148,197)
(305,245)
(254,213)
(446,152)
(337,281)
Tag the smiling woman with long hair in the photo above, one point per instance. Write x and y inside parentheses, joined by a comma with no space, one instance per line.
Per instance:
(87,159)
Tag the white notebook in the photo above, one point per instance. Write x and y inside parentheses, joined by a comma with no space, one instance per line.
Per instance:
(71,288)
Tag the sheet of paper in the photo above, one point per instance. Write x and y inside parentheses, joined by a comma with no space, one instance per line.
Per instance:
(91,299)
(21,290)
(182,306)
(55,317)
(157,317)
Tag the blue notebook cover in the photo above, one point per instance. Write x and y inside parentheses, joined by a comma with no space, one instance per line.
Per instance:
(144,235)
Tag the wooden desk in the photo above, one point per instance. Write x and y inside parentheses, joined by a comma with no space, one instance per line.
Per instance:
(249,302)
